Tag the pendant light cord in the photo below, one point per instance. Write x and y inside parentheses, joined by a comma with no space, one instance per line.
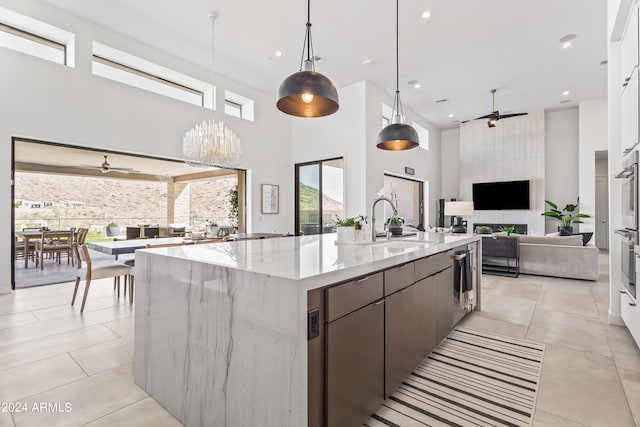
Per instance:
(397,104)
(307,44)
(397,48)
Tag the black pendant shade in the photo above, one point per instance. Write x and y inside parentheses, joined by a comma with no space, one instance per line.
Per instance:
(398,136)
(307,94)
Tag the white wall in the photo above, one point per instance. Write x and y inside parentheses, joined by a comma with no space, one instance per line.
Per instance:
(51,102)
(561,160)
(426,163)
(339,135)
(450,164)
(351,133)
(593,137)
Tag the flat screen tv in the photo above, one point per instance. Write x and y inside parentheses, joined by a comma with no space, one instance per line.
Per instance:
(501,195)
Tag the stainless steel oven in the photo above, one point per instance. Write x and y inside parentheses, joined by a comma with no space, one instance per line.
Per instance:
(629,241)
(630,191)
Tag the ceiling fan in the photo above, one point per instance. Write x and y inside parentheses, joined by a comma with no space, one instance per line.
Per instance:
(495,115)
(105,167)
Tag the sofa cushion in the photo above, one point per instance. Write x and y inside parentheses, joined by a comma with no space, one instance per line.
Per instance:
(585,236)
(552,240)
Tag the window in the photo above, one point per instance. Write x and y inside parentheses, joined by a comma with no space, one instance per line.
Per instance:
(319,196)
(410,195)
(133,71)
(423,135)
(238,106)
(36,38)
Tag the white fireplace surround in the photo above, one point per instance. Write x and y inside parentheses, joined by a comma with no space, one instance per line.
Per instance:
(514,150)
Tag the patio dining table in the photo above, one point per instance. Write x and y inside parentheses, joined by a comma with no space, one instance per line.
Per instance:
(29,235)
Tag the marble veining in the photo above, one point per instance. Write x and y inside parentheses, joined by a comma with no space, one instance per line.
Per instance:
(221,330)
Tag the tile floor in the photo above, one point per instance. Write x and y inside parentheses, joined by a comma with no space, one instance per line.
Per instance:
(49,353)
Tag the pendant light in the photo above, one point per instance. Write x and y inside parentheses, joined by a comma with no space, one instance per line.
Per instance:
(211,144)
(307,93)
(398,135)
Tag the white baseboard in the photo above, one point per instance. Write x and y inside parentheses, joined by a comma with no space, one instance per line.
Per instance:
(616,319)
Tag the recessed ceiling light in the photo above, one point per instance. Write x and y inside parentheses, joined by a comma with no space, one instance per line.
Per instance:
(565,101)
(441,101)
(565,41)
(414,83)
(604,62)
(450,116)
(426,14)
(567,38)
(278,53)
(367,62)
(319,59)
(565,93)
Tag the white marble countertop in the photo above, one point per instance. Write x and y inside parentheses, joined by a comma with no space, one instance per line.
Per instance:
(316,260)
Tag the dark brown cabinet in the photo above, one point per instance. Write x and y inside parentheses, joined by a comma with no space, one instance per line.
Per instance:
(377,329)
(399,338)
(355,366)
(410,330)
(426,306)
(445,307)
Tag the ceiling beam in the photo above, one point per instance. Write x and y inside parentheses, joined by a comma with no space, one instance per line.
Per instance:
(202,176)
(95,173)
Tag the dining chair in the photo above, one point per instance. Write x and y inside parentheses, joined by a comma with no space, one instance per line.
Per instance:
(88,271)
(55,243)
(81,235)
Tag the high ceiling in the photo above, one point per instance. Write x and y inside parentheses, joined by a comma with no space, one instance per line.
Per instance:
(465,48)
(51,158)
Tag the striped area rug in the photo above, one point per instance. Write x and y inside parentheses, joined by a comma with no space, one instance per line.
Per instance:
(472,379)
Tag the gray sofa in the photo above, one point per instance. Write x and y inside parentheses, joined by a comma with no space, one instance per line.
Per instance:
(558,256)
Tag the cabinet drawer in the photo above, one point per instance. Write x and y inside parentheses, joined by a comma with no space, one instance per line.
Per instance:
(350,296)
(631,315)
(426,267)
(398,278)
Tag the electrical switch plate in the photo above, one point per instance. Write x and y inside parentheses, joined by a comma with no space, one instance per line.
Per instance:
(313,324)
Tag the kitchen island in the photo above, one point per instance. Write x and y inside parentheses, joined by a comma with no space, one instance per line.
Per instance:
(236,334)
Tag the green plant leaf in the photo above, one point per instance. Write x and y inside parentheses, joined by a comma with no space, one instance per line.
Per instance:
(553,205)
(583,216)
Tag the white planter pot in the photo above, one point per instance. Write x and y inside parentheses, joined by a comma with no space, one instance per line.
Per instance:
(346,234)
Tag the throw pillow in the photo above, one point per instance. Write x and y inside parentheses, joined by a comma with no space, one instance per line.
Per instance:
(585,236)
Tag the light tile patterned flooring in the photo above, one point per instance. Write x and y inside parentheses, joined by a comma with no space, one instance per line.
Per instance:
(49,353)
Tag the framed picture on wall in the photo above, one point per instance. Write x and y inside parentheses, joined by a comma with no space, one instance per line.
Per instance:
(269,199)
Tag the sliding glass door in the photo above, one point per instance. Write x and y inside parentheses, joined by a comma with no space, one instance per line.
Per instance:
(319,196)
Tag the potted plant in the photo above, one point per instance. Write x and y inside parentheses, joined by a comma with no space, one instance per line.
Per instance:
(507,229)
(347,228)
(113,230)
(394,225)
(567,216)
(213,227)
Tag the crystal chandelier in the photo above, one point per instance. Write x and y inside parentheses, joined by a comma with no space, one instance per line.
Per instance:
(210,143)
